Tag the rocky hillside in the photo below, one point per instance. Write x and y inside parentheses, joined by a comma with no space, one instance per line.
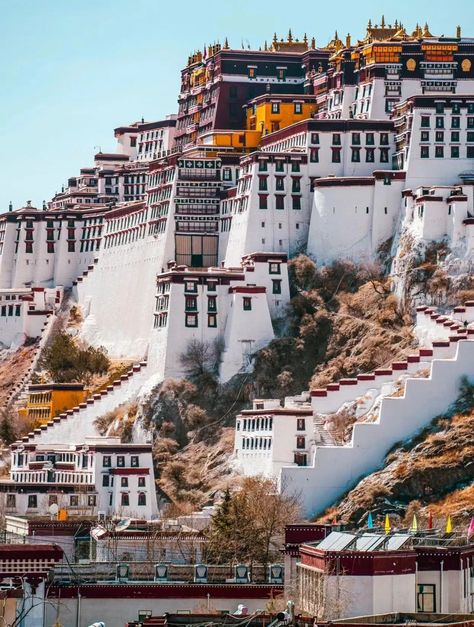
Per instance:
(433,472)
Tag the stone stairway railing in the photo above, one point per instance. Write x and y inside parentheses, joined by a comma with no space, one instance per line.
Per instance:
(86,273)
(78,423)
(18,393)
(433,326)
(335,469)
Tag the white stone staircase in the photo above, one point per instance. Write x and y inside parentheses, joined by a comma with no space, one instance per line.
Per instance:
(78,423)
(335,469)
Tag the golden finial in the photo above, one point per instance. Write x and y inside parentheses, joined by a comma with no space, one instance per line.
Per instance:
(426,31)
(336,36)
(275,39)
(290,36)
(305,40)
(396,25)
(458,32)
(382,23)
(226,44)
(369,25)
(313,43)
(348,40)
(265,47)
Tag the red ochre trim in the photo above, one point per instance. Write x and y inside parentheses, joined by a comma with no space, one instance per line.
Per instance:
(347,181)
(366,377)
(247,289)
(400,365)
(382,372)
(166,591)
(348,382)
(426,352)
(319,393)
(456,197)
(440,344)
(130,471)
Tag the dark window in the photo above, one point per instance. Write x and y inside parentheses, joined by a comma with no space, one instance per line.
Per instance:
(276,286)
(314,155)
(262,201)
(125,500)
(439,136)
(295,166)
(456,122)
(295,185)
(384,155)
(212,320)
(425,136)
(470,122)
(370,139)
(279,165)
(470,107)
(300,459)
(212,303)
(106,461)
(105,481)
(439,152)
(71,247)
(440,107)
(29,247)
(370,155)
(92,500)
(191,303)
(279,202)
(425,152)
(274,268)
(74,500)
(355,158)
(454,152)
(120,461)
(32,501)
(262,183)
(384,139)
(356,139)
(247,303)
(279,183)
(456,107)
(336,155)
(141,482)
(124,482)
(263,165)
(134,461)
(142,498)
(298,108)
(454,136)
(275,107)
(11,501)
(50,247)
(211,286)
(425,121)
(191,286)
(439,122)
(336,139)
(300,441)
(296,204)
(470,152)
(426,598)
(300,424)
(191,320)
(315,138)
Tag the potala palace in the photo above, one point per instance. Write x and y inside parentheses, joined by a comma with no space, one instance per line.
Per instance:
(185,231)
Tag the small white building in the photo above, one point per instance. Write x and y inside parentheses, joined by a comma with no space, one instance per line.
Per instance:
(101,476)
(269,437)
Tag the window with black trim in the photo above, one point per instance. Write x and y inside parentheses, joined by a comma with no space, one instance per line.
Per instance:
(274,267)
(456,122)
(315,138)
(296,185)
(279,202)
(106,461)
(336,155)
(384,139)
(262,165)
(141,482)
(298,108)
(470,152)
(369,139)
(120,461)
(370,155)
(279,183)
(300,441)
(212,320)
(439,152)
(384,155)
(247,303)
(262,201)
(454,152)
(439,136)
(142,499)
(134,461)
(191,303)
(125,499)
(425,121)
(454,136)
(425,152)
(190,286)
(300,424)
(439,122)
(105,481)
(275,107)
(296,200)
(425,136)
(276,286)
(470,122)
(355,157)
(262,183)
(314,155)
(356,139)
(124,482)
(32,501)
(191,320)
(426,598)
(295,166)
(212,303)
(74,500)
(336,139)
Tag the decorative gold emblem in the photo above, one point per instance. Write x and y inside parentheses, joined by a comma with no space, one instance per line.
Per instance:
(466,65)
(411,65)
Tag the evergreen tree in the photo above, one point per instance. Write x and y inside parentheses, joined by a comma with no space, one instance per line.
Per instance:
(7,427)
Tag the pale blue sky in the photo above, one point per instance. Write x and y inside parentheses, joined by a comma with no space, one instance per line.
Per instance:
(72,70)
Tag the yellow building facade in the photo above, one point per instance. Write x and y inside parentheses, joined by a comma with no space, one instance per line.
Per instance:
(271,112)
(45,401)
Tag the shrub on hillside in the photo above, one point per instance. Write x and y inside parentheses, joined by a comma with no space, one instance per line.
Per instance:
(65,361)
